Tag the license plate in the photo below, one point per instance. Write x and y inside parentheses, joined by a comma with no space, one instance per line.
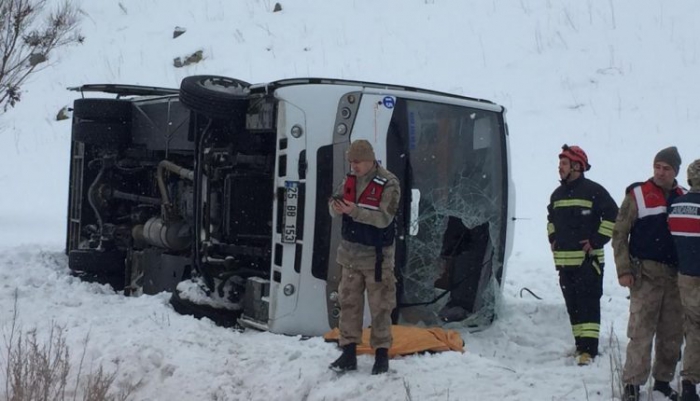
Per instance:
(291,209)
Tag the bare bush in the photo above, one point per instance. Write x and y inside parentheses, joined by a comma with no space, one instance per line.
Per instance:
(616,365)
(28,36)
(98,385)
(39,371)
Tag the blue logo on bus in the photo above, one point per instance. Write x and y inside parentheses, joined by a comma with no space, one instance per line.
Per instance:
(388,102)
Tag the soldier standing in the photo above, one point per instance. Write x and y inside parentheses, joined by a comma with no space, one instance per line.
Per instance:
(581,215)
(684,223)
(368,204)
(646,262)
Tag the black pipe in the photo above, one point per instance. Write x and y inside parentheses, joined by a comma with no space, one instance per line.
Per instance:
(92,195)
(135,198)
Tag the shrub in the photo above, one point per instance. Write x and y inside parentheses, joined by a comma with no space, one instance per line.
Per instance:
(40,371)
(28,36)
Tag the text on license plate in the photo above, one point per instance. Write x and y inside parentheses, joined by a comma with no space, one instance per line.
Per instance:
(291,205)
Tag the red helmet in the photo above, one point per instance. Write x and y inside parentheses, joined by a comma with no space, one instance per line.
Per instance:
(575,154)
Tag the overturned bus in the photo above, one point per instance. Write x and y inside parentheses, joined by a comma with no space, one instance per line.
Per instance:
(217,192)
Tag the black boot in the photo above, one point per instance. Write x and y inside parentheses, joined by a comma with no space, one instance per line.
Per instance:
(665,389)
(347,360)
(381,361)
(630,393)
(688,392)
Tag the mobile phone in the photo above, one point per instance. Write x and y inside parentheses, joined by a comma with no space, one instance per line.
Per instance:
(337,197)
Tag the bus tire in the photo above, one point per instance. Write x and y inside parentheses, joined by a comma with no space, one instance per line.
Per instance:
(220,317)
(214,96)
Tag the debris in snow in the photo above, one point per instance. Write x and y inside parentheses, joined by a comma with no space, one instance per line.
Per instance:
(178,31)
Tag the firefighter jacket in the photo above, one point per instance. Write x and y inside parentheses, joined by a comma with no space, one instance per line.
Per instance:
(356,254)
(580,210)
(684,224)
(641,229)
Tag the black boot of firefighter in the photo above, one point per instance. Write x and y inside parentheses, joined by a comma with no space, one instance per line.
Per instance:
(347,360)
(381,361)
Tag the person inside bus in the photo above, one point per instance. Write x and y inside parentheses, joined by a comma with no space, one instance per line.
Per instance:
(463,251)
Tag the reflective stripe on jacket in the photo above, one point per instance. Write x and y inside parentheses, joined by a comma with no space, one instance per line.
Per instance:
(684,224)
(581,210)
(370,198)
(650,237)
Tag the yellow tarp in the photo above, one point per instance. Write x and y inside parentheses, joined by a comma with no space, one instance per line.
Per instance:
(410,340)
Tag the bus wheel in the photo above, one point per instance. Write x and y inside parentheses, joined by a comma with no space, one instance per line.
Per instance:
(220,317)
(214,96)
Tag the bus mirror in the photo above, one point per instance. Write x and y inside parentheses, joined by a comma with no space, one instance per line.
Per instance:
(415,200)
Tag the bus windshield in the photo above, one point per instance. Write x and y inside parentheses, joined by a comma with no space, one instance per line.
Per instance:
(455,182)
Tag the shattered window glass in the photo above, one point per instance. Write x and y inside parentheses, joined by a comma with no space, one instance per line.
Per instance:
(457,162)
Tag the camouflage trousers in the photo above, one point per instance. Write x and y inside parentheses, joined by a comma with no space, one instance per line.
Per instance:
(655,311)
(381,297)
(689,287)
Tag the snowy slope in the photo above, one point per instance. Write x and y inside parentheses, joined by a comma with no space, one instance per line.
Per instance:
(617,78)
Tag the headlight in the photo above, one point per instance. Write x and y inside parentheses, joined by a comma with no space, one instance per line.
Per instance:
(297,131)
(341,129)
(288,289)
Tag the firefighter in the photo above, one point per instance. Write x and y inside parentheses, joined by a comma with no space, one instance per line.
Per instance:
(646,262)
(367,200)
(684,224)
(581,215)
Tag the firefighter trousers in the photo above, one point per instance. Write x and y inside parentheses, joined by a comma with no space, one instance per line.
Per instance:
(582,288)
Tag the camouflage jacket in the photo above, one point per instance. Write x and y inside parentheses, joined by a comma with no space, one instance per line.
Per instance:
(627,217)
(361,256)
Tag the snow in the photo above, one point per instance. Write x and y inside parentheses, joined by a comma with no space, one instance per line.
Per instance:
(616,78)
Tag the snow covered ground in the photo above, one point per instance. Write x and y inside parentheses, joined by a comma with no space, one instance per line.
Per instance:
(617,78)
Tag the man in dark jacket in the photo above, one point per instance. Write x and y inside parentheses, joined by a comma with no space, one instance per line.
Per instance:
(646,262)
(581,216)
(684,223)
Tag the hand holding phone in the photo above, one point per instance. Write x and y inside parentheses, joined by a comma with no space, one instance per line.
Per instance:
(338,203)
